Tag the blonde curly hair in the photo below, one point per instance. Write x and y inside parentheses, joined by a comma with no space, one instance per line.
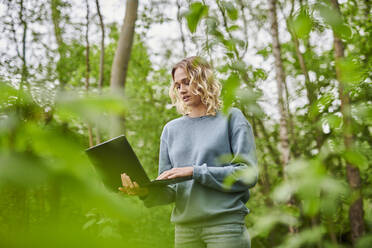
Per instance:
(202,82)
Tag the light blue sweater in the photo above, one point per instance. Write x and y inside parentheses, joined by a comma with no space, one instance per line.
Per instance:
(200,142)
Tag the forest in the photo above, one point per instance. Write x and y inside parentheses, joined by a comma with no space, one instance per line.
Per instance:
(75,73)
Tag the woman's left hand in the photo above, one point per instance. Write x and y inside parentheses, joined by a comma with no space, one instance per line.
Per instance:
(176,172)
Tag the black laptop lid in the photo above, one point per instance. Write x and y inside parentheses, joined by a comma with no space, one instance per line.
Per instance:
(114,157)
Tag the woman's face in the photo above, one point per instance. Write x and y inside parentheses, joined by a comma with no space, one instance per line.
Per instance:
(182,86)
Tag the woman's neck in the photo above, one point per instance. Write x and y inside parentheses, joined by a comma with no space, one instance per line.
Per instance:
(198,111)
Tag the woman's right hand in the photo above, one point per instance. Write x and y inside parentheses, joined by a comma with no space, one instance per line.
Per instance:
(131,188)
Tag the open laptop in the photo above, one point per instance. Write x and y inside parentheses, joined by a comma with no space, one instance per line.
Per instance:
(114,157)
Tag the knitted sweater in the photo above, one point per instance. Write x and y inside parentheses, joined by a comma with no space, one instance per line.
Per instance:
(220,152)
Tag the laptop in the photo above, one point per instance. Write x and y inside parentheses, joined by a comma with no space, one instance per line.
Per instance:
(116,156)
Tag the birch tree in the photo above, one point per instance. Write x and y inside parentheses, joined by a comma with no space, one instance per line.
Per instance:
(122,55)
(280,81)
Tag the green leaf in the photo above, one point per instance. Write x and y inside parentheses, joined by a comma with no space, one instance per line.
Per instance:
(344,31)
(233,27)
(356,158)
(228,91)
(305,238)
(211,23)
(311,206)
(332,17)
(89,224)
(329,14)
(260,74)
(283,192)
(229,44)
(320,105)
(265,52)
(351,71)
(223,68)
(196,12)
(363,112)
(265,223)
(232,12)
(302,24)
(333,121)
(239,66)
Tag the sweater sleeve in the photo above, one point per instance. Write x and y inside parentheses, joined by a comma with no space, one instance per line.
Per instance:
(242,171)
(161,195)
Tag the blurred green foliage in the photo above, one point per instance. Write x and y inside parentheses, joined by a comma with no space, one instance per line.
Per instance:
(195,14)
(52,197)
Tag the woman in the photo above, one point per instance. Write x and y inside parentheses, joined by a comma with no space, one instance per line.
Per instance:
(207,213)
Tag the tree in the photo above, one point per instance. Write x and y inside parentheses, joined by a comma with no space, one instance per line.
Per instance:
(122,54)
(102,55)
(87,64)
(356,212)
(55,6)
(280,80)
(101,60)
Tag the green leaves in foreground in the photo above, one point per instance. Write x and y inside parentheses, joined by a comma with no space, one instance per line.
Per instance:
(331,16)
(354,157)
(195,14)
(93,109)
(301,24)
(265,223)
(352,71)
(228,91)
(38,156)
(308,236)
(317,191)
(232,12)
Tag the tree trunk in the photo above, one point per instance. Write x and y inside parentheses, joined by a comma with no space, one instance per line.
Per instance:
(56,18)
(102,55)
(356,212)
(87,48)
(121,60)
(87,63)
(101,62)
(280,79)
(24,36)
(179,19)
(122,54)
(22,193)
(24,70)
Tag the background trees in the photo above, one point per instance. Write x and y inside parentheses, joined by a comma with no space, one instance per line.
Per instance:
(322,133)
